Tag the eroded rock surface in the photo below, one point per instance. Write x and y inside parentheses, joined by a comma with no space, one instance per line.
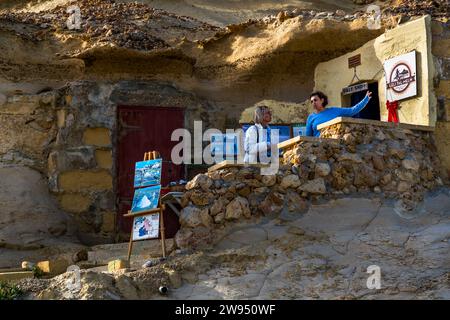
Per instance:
(31,224)
(321,254)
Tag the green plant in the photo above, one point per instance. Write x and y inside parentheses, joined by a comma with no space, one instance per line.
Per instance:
(9,291)
(37,272)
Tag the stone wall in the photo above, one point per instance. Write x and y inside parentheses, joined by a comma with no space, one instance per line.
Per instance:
(441,52)
(81,164)
(69,136)
(399,161)
(394,162)
(27,130)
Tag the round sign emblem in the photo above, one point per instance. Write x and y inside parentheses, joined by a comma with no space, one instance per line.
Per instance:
(400,77)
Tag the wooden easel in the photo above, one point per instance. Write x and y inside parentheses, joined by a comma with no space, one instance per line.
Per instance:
(151,155)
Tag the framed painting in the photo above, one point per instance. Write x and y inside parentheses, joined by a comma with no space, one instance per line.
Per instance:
(147,173)
(299,129)
(284,130)
(145,199)
(146,227)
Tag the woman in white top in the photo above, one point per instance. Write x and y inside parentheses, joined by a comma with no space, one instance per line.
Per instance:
(257,138)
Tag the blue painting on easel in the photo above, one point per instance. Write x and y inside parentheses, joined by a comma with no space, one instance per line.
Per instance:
(147,173)
(145,199)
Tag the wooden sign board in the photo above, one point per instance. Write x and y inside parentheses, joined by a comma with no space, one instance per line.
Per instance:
(401,77)
(354,61)
(356,88)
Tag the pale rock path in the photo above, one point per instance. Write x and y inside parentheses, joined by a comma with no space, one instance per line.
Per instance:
(324,254)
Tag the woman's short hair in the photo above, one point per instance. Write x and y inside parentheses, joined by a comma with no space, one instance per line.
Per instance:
(321,95)
(259,113)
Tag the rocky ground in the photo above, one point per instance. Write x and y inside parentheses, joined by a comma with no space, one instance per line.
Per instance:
(129,25)
(436,8)
(321,254)
(219,13)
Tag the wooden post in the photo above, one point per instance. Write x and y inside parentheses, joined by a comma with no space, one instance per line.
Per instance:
(163,235)
(130,245)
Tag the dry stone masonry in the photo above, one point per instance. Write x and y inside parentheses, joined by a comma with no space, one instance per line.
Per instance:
(352,157)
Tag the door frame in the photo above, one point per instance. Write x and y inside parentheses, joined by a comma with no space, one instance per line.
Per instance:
(115,150)
(346,99)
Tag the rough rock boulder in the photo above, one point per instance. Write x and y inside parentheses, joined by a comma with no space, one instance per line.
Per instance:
(29,217)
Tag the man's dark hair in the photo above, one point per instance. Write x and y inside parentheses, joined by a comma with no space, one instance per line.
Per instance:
(321,95)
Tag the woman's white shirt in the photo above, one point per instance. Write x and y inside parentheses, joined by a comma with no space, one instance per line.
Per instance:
(251,144)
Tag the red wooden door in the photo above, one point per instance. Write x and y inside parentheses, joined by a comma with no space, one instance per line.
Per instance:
(142,129)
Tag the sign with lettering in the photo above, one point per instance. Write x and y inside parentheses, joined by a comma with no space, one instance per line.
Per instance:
(400,74)
(356,88)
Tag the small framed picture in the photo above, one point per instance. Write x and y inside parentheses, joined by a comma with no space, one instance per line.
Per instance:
(299,129)
(145,199)
(146,227)
(147,173)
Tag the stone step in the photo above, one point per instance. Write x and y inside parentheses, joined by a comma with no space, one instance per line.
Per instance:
(119,264)
(53,267)
(5,270)
(15,276)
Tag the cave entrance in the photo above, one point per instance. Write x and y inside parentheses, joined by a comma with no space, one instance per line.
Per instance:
(372,110)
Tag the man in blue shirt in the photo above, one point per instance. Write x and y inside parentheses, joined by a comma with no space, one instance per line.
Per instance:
(319,101)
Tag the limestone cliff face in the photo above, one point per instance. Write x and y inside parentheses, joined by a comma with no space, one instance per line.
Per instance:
(298,234)
(57,84)
(219,13)
(233,67)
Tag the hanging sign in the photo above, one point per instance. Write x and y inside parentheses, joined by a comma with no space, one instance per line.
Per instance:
(354,61)
(356,88)
(400,75)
